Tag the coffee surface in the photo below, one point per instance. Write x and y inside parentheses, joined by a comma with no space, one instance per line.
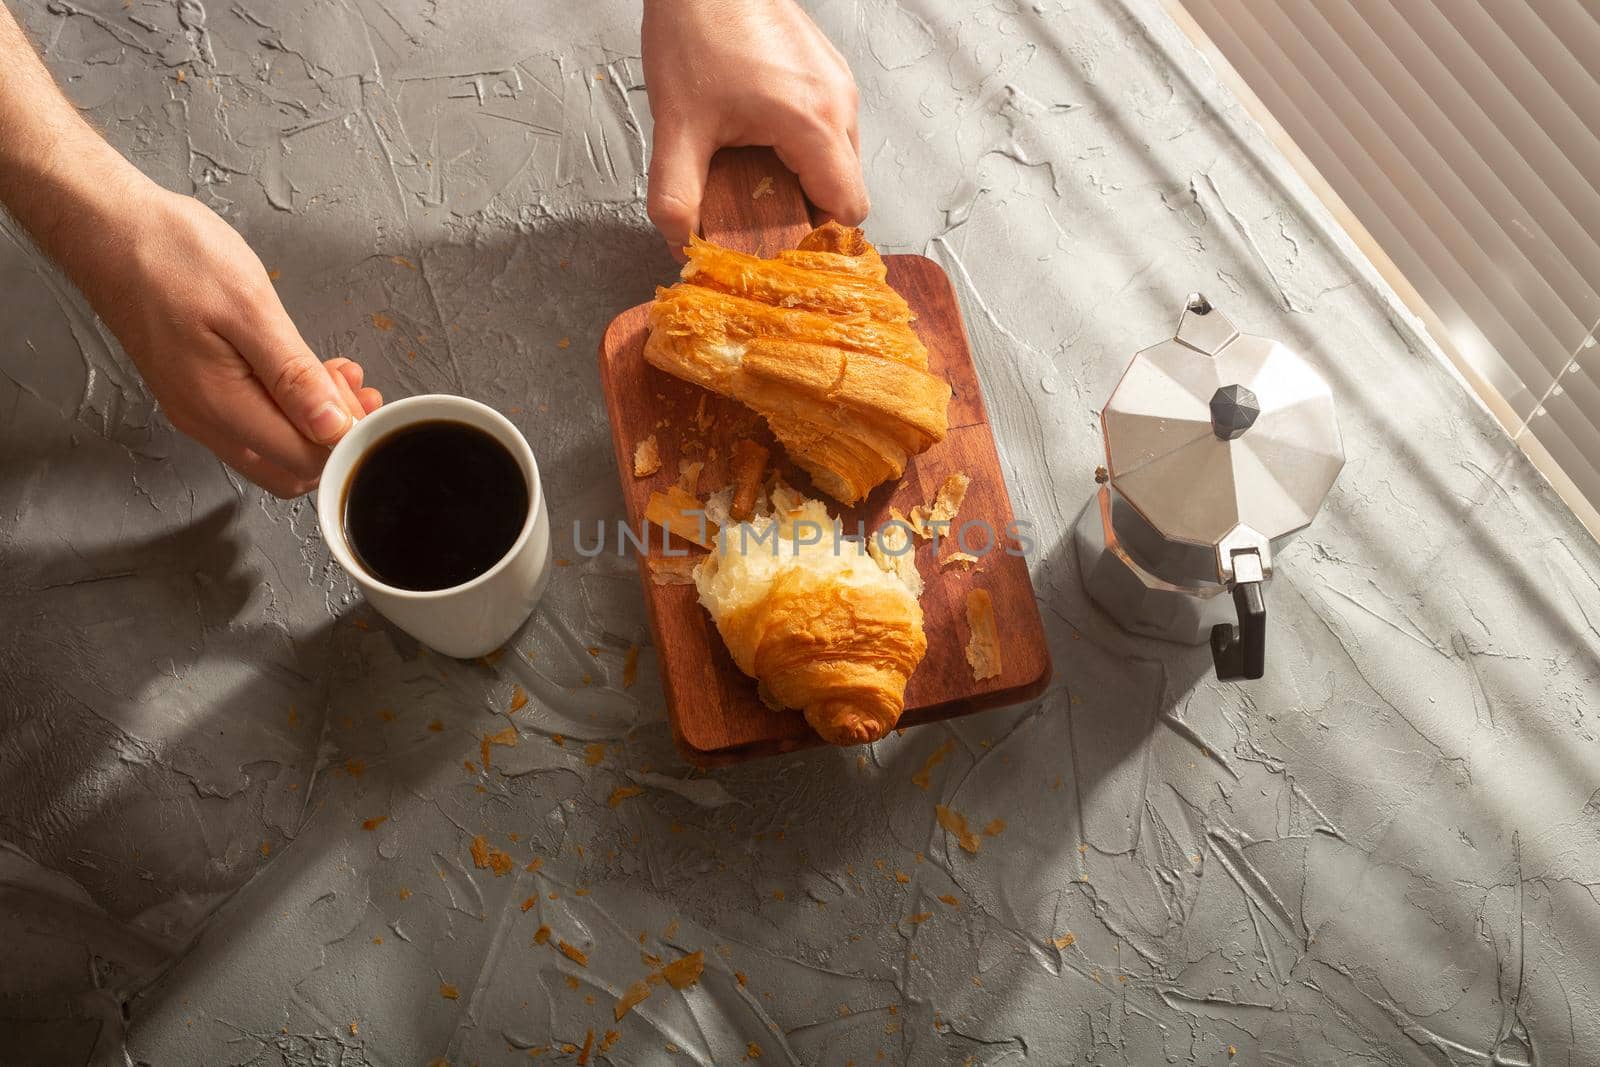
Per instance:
(434,505)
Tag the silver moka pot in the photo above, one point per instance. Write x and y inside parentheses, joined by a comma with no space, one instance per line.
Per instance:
(1220,447)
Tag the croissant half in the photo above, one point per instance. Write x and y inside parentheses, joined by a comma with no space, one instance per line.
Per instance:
(820,624)
(817,342)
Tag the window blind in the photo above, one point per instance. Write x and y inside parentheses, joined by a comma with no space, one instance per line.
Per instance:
(1464,137)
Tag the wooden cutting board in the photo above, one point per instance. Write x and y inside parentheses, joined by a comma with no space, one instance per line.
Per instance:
(753,203)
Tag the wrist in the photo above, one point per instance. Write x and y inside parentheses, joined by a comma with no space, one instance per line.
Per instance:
(79,204)
(81,185)
(76,197)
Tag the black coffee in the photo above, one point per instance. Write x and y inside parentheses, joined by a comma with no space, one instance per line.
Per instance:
(434,505)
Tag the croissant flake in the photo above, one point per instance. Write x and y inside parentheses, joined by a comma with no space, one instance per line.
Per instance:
(983,646)
(749,467)
(685,971)
(928,519)
(672,570)
(956,823)
(681,513)
(646,458)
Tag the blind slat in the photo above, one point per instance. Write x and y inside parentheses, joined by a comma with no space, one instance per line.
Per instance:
(1572,36)
(1516,390)
(1464,136)
(1438,145)
(1555,121)
(1547,231)
(1391,177)
(1489,117)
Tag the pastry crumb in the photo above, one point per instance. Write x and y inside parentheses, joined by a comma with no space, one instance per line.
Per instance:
(763,188)
(928,519)
(956,823)
(685,971)
(506,737)
(672,570)
(486,857)
(646,458)
(621,793)
(749,469)
(958,559)
(983,647)
(923,778)
(683,514)
(631,998)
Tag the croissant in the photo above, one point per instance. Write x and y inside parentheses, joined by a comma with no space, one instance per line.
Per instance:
(818,622)
(817,342)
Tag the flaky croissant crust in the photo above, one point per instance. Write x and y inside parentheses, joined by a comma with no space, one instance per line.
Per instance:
(839,653)
(816,341)
(832,633)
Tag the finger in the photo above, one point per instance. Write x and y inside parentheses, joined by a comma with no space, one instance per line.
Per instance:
(236,408)
(244,413)
(366,400)
(269,476)
(829,171)
(349,368)
(678,165)
(347,394)
(303,389)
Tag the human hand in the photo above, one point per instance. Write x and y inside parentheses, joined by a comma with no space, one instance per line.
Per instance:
(195,311)
(721,73)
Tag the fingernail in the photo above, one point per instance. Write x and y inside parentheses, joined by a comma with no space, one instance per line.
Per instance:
(329,422)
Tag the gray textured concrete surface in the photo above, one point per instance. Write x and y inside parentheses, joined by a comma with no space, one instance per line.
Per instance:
(1386,852)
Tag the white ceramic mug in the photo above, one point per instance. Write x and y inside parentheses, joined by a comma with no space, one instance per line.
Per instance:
(465,620)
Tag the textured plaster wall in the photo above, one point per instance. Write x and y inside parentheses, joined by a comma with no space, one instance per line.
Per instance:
(236,809)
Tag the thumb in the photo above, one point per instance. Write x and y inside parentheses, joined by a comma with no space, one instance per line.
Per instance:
(678,164)
(302,387)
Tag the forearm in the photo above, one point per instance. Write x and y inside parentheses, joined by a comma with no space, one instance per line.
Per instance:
(58,177)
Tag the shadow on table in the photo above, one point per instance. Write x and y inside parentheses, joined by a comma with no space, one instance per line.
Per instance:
(141,713)
(124,763)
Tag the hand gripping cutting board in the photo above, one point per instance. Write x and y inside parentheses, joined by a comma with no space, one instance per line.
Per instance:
(754,204)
